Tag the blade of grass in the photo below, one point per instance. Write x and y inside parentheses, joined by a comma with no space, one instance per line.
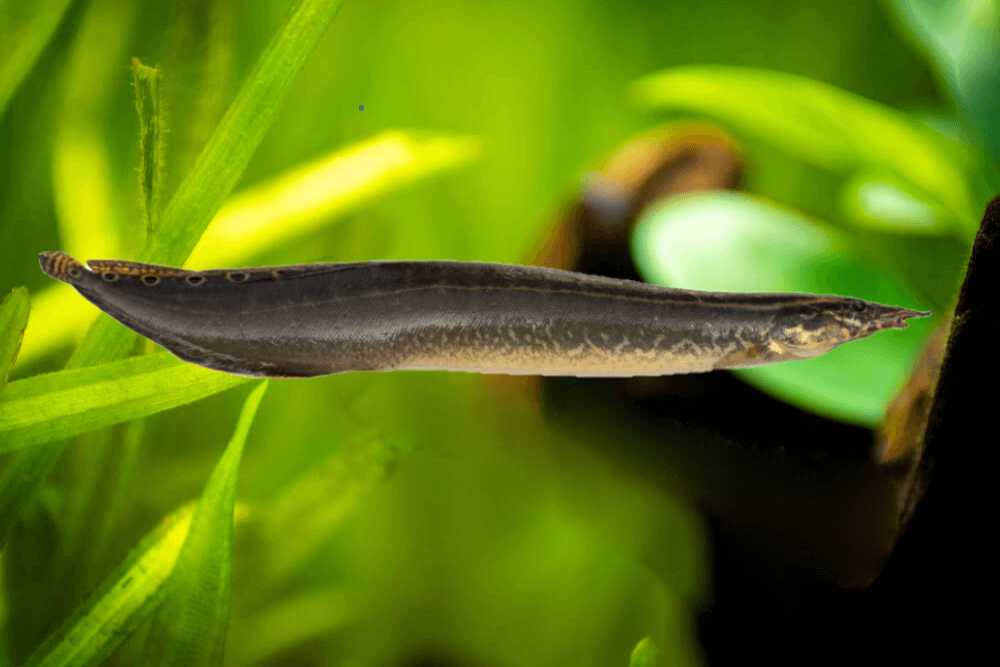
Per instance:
(13,321)
(113,611)
(60,405)
(25,29)
(146,81)
(197,54)
(190,625)
(225,157)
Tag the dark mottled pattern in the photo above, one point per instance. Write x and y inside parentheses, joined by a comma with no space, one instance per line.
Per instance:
(316,319)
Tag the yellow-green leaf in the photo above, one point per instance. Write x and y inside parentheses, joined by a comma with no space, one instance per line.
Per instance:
(645,654)
(59,405)
(13,321)
(190,626)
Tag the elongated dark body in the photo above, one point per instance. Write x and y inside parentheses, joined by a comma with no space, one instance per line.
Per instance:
(317,319)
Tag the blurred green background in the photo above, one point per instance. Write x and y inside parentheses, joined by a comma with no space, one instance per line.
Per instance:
(492,538)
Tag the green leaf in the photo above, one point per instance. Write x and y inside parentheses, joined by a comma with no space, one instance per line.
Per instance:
(289,623)
(820,124)
(13,321)
(312,507)
(645,654)
(66,403)
(197,55)
(960,40)
(239,133)
(190,626)
(25,29)
(146,81)
(305,198)
(122,601)
(127,595)
(683,242)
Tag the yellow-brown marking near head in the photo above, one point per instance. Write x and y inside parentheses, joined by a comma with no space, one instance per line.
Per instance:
(61,266)
(123,268)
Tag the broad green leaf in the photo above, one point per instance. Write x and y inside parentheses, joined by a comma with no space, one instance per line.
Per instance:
(25,29)
(127,595)
(13,320)
(146,81)
(190,626)
(732,242)
(59,405)
(645,654)
(818,123)
(273,212)
(310,510)
(960,39)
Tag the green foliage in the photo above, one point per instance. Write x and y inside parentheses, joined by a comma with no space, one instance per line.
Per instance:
(239,133)
(190,625)
(127,596)
(960,39)
(25,29)
(645,654)
(522,544)
(54,406)
(819,124)
(148,105)
(13,320)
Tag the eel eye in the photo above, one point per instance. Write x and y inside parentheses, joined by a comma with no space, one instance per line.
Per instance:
(858,305)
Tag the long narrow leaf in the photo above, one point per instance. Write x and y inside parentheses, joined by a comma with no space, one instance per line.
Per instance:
(305,198)
(240,132)
(196,55)
(146,81)
(13,321)
(317,503)
(28,26)
(190,626)
(122,601)
(127,596)
(66,403)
